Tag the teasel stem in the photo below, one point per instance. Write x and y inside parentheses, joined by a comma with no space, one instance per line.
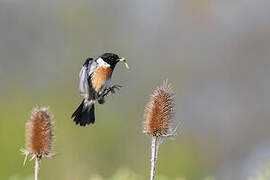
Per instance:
(154,148)
(38,158)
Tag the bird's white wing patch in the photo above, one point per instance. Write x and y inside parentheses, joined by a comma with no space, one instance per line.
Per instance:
(92,68)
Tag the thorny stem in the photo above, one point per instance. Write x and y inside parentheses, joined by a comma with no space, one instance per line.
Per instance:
(37,167)
(154,148)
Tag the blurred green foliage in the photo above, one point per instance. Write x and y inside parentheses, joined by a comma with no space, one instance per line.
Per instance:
(121,174)
(264,174)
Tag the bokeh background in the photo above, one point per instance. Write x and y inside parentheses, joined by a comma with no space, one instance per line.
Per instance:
(216,53)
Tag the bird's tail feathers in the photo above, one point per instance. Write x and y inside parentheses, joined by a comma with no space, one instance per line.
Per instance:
(84,114)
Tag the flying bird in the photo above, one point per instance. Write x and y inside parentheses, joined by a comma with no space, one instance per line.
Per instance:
(94,85)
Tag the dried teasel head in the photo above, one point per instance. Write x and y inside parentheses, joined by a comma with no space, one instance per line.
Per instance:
(159,112)
(39,134)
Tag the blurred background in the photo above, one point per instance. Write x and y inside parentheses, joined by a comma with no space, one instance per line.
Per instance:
(216,54)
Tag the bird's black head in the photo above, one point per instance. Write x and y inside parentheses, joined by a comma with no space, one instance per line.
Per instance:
(110,58)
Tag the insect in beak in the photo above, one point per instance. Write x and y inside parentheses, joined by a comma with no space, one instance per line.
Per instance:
(125,62)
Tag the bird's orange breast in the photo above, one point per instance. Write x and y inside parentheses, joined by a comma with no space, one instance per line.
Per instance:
(101,75)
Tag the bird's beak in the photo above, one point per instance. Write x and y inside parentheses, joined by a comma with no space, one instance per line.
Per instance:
(124,61)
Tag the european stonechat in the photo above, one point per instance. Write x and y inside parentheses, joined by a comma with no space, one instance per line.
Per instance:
(94,85)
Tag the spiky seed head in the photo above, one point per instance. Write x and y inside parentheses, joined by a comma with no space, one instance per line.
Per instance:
(159,112)
(39,133)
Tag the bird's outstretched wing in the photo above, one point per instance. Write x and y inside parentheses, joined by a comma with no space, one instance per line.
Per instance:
(85,85)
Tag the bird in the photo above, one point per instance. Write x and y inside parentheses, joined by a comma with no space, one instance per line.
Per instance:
(94,85)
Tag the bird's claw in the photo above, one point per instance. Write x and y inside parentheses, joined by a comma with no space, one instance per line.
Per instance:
(112,89)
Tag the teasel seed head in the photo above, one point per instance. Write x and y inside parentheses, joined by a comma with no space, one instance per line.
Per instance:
(39,134)
(159,112)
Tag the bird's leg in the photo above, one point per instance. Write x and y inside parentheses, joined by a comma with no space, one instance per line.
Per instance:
(101,97)
(116,86)
(111,89)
